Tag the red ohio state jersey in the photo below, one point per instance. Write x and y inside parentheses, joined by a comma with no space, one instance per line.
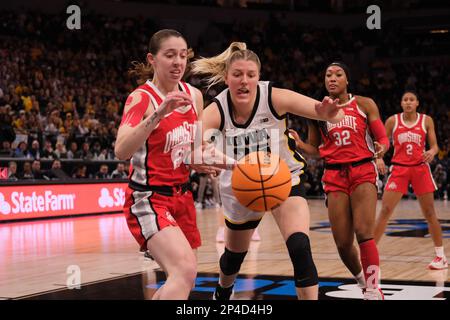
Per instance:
(409,141)
(348,140)
(159,162)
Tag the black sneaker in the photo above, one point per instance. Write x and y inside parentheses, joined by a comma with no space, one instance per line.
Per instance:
(223,293)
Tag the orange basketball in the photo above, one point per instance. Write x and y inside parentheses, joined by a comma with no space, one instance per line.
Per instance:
(261,181)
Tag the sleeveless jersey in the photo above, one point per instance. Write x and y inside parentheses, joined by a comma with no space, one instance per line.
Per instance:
(348,140)
(409,141)
(265,130)
(159,161)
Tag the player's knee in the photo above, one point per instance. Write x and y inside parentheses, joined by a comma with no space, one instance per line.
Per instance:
(363,230)
(185,271)
(363,234)
(230,262)
(386,210)
(305,272)
(344,246)
(187,274)
(429,214)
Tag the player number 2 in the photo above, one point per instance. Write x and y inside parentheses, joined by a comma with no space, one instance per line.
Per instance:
(343,138)
(409,149)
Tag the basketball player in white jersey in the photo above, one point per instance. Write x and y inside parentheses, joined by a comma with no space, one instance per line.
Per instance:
(251,115)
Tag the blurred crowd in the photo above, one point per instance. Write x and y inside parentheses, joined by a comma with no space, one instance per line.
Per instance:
(62,92)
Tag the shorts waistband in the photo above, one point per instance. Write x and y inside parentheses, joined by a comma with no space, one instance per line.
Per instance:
(339,166)
(406,165)
(163,190)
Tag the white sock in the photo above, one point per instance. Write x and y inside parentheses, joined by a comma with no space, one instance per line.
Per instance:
(360,280)
(439,251)
(220,284)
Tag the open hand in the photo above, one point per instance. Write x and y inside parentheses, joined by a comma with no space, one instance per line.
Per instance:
(428,156)
(298,141)
(380,150)
(381,166)
(330,110)
(203,168)
(174,100)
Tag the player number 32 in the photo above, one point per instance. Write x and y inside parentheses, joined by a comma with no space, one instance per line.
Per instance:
(342,138)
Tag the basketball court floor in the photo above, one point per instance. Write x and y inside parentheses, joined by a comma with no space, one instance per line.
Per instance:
(45,259)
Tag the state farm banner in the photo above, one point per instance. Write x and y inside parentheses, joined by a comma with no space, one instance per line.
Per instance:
(42,201)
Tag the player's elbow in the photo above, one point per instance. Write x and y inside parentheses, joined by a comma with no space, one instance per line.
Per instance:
(120,153)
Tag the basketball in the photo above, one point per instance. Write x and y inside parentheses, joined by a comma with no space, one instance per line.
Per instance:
(261,181)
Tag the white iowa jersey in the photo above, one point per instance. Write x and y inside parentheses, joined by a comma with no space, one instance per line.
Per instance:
(265,130)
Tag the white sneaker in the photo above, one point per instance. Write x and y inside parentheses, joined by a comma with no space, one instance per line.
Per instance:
(438,263)
(373,294)
(255,236)
(220,235)
(198,206)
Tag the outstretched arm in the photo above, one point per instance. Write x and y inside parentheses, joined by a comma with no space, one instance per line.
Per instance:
(287,101)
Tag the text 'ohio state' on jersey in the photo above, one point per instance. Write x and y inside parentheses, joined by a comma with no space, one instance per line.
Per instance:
(409,140)
(348,140)
(160,160)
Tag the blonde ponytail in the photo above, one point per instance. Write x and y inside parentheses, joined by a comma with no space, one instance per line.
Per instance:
(217,66)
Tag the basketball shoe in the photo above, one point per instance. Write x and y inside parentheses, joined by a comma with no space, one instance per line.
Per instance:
(438,263)
(223,293)
(373,294)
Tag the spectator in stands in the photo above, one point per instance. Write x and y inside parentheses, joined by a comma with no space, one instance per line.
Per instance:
(440,177)
(96,150)
(56,171)
(79,131)
(21,150)
(120,172)
(54,124)
(103,155)
(80,172)
(60,152)
(6,151)
(20,122)
(12,171)
(36,169)
(74,153)
(48,152)
(35,152)
(7,132)
(27,173)
(86,153)
(103,172)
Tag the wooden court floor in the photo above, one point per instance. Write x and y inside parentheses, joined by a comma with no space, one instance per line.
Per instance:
(40,256)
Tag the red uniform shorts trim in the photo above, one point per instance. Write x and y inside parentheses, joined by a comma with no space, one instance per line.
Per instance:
(148,212)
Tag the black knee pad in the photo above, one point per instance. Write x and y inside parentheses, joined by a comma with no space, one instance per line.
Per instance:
(305,272)
(230,262)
